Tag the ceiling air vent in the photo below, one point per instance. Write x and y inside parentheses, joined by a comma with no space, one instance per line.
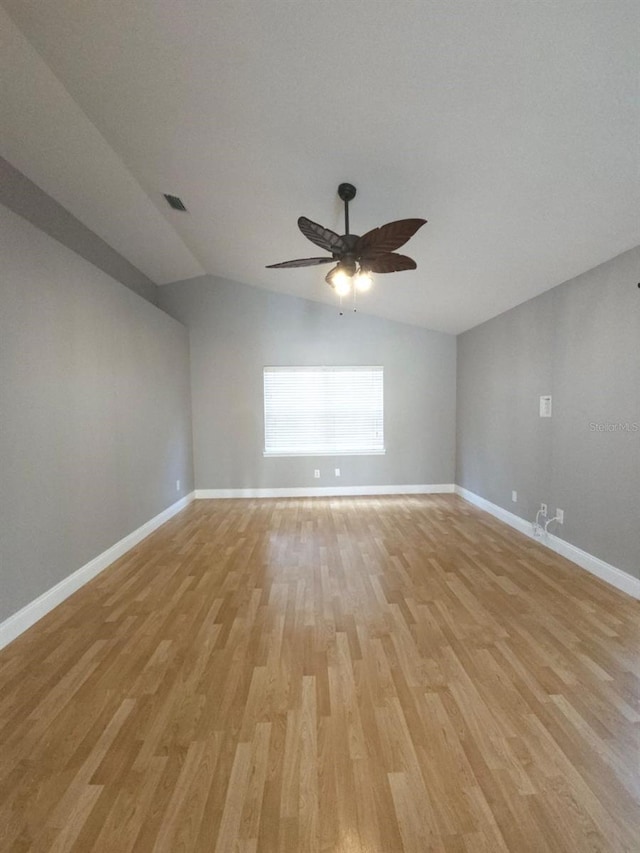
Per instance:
(175,202)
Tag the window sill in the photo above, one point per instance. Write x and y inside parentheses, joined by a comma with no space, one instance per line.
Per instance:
(326,453)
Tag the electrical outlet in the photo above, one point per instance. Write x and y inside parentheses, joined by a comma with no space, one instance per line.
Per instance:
(560,516)
(514,496)
(543,509)
(177,485)
(337,472)
(545,406)
(316,473)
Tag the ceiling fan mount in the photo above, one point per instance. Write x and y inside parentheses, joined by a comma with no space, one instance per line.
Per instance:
(357,257)
(347,192)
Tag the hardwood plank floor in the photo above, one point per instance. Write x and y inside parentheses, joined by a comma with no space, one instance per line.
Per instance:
(351,674)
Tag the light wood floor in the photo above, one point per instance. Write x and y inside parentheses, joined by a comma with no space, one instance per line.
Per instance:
(371,674)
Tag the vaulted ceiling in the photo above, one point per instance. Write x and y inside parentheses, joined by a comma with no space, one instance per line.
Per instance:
(513,127)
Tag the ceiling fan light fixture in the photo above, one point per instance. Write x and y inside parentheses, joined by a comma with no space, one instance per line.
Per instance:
(362,281)
(341,281)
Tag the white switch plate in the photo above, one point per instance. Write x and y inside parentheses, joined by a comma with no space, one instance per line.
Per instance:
(316,473)
(337,472)
(545,406)
(560,516)
(514,496)
(177,485)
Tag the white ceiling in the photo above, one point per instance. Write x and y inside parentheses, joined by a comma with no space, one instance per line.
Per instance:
(513,127)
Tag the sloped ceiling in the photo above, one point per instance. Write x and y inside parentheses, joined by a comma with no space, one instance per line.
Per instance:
(512,127)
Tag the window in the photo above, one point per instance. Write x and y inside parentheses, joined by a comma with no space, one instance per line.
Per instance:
(311,411)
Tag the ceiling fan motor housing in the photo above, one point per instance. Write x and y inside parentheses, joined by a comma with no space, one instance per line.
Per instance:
(349,241)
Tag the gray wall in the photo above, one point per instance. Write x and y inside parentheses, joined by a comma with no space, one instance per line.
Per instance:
(579,342)
(235,330)
(22,196)
(94,412)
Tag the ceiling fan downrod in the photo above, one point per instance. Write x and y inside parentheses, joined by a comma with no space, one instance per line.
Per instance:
(347,193)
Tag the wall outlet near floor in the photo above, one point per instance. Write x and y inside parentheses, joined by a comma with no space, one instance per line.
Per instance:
(543,509)
(560,516)
(545,406)
(337,472)
(514,496)
(177,485)
(316,473)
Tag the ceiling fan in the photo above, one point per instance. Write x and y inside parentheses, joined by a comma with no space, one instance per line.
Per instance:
(357,257)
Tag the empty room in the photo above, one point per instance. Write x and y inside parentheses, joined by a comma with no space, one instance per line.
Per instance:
(319,426)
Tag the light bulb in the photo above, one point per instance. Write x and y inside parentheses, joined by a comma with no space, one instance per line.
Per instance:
(342,283)
(363,281)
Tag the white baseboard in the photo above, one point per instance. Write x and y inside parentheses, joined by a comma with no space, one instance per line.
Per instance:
(35,610)
(324,491)
(605,571)
(509,518)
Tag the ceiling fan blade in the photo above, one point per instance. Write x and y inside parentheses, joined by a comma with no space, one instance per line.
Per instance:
(390,262)
(321,236)
(301,262)
(387,238)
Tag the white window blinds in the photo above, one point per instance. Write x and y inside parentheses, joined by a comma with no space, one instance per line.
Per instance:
(310,411)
